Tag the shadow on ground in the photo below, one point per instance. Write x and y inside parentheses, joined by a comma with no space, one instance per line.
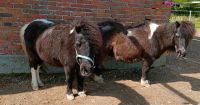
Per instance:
(176,71)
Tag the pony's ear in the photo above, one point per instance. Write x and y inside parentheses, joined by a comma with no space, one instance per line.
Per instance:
(78,29)
(177,24)
(72,30)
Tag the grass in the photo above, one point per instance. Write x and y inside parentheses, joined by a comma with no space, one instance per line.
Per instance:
(195,20)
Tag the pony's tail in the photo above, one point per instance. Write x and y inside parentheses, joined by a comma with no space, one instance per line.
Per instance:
(22,32)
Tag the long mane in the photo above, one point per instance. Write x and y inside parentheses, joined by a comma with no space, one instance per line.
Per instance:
(90,30)
(187,29)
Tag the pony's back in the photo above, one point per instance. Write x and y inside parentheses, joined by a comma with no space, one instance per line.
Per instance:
(31,31)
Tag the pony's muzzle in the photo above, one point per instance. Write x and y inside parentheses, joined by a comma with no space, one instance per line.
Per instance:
(181,52)
(86,68)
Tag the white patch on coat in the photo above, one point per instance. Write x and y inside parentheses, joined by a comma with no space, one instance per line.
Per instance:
(47,32)
(153,27)
(72,30)
(98,79)
(44,21)
(22,31)
(130,33)
(34,82)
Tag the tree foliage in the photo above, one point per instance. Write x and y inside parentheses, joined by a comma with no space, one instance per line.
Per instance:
(186,6)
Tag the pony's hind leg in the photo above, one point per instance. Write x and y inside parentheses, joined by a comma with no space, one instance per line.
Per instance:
(145,67)
(40,83)
(35,82)
(98,74)
(98,78)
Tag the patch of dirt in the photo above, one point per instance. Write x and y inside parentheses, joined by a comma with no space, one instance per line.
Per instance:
(178,83)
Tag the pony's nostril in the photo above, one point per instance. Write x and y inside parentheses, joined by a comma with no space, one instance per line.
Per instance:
(184,54)
(85,71)
(178,52)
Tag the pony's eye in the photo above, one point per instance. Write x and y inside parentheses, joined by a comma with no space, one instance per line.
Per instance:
(78,44)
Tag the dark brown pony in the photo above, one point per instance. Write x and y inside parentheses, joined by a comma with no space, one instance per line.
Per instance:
(146,42)
(73,48)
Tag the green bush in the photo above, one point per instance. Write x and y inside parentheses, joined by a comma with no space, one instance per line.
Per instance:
(194,19)
(186,6)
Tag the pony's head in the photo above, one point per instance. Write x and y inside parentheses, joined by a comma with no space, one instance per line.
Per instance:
(85,45)
(184,32)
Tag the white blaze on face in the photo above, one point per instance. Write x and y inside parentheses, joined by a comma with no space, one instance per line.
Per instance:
(153,27)
(72,30)
(129,33)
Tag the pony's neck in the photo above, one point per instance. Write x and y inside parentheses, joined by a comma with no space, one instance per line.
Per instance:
(163,38)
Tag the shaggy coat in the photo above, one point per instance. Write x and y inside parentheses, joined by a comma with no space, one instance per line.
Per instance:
(137,42)
(59,45)
(165,37)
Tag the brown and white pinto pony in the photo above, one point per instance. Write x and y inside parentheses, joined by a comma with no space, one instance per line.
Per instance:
(146,42)
(73,48)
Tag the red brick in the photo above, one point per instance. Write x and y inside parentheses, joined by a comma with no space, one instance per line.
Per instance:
(102,6)
(53,17)
(78,14)
(127,1)
(6,15)
(98,2)
(67,18)
(15,13)
(90,14)
(103,15)
(7,51)
(15,47)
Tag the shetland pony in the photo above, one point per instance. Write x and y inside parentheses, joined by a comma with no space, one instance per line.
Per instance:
(146,42)
(73,48)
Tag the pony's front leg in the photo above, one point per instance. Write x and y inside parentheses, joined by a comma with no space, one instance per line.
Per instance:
(80,84)
(69,74)
(145,67)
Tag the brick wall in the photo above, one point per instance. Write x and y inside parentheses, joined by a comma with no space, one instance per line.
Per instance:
(15,13)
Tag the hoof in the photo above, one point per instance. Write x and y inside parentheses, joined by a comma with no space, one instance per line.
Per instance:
(98,79)
(35,87)
(82,94)
(145,83)
(40,83)
(70,96)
